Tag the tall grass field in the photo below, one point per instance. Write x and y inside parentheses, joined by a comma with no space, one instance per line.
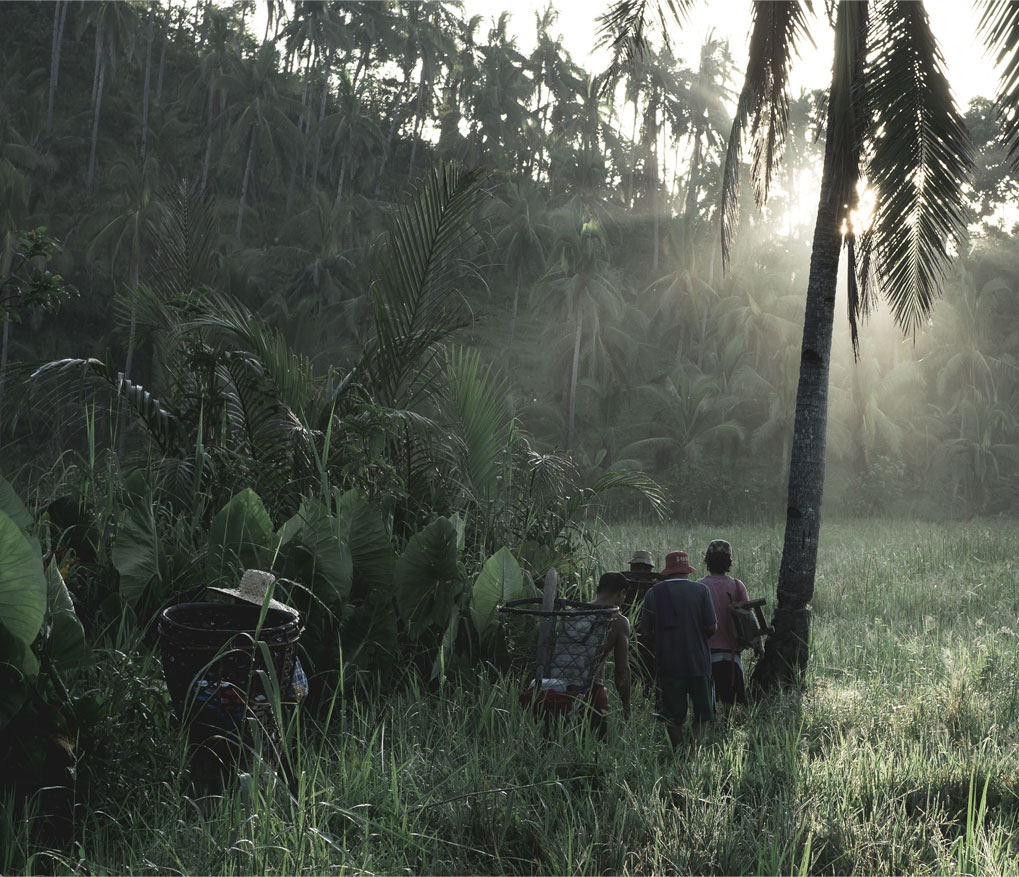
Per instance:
(899,756)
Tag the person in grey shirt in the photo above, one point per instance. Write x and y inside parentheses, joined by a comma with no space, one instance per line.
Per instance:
(677,619)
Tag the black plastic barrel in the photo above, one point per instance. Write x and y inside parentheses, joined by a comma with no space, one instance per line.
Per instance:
(214,667)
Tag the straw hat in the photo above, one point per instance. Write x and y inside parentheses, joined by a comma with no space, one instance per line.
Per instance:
(255,583)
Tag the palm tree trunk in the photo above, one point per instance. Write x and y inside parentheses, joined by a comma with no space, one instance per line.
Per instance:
(516,301)
(145,90)
(248,165)
(162,56)
(393,123)
(339,183)
(321,117)
(573,379)
(207,158)
(129,361)
(788,646)
(95,126)
(4,345)
(417,119)
(59,17)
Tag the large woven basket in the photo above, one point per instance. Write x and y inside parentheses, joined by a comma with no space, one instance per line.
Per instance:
(577,635)
(215,666)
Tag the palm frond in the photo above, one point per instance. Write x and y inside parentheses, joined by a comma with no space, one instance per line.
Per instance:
(416,301)
(763,106)
(629,479)
(475,398)
(624,28)
(64,378)
(999,27)
(848,115)
(920,163)
(185,235)
(291,373)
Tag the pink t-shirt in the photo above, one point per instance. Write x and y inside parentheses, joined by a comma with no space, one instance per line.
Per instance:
(724,590)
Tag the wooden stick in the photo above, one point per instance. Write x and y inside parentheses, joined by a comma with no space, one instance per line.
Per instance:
(545,638)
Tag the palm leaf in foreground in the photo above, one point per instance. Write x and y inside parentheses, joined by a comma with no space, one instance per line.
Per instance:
(416,298)
(919,164)
(763,106)
(999,26)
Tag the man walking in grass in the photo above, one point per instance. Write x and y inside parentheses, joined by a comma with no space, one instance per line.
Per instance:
(677,620)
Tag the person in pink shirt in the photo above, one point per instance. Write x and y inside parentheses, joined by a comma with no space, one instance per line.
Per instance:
(726,666)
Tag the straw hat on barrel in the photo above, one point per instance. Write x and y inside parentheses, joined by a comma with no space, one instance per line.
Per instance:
(254,585)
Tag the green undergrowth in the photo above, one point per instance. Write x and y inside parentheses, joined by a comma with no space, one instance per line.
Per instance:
(899,756)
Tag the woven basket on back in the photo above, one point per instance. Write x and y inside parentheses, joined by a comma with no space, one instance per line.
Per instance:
(577,647)
(214,669)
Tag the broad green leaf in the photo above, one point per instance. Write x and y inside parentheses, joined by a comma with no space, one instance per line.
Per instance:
(371,549)
(426,577)
(442,659)
(368,636)
(66,643)
(461,530)
(13,506)
(500,579)
(17,667)
(22,582)
(136,551)
(240,538)
(315,556)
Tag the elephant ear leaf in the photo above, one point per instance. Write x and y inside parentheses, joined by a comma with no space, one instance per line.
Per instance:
(500,580)
(240,538)
(136,551)
(314,555)
(22,582)
(12,506)
(426,577)
(371,549)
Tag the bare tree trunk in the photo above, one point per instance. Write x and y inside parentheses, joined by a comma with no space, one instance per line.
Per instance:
(417,118)
(392,133)
(90,179)
(207,158)
(128,362)
(339,183)
(4,346)
(162,56)
(516,300)
(145,90)
(248,166)
(321,117)
(573,378)
(59,18)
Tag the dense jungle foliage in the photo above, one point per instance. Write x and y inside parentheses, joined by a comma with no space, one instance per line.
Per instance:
(593,279)
(372,297)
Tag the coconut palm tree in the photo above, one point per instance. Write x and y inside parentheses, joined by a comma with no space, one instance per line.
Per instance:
(521,236)
(892,124)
